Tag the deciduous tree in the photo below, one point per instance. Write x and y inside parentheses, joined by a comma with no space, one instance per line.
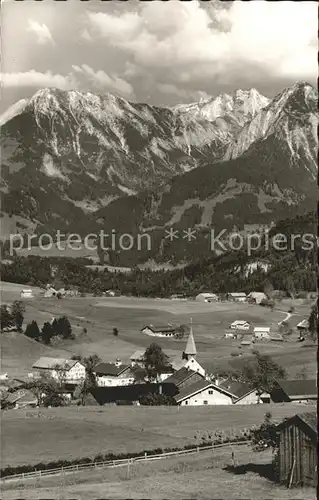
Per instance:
(263,372)
(155,361)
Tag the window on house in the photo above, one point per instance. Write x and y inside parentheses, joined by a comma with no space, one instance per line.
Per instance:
(186,402)
(205,402)
(210,391)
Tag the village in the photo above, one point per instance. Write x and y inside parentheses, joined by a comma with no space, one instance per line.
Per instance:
(134,378)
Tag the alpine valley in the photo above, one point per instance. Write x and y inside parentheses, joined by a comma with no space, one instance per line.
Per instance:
(106,163)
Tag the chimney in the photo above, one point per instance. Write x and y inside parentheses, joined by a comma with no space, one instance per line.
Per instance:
(216,382)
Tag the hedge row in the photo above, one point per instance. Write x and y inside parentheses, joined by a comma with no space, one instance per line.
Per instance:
(10,471)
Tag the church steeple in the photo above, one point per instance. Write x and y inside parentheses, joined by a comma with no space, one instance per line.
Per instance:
(190,346)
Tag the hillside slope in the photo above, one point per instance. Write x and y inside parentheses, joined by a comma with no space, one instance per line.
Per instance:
(274,177)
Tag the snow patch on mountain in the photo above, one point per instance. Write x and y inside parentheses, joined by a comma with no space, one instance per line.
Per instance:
(14,110)
(50,169)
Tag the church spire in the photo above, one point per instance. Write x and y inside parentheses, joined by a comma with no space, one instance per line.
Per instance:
(190,346)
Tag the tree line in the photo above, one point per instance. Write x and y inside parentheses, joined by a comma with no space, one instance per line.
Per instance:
(59,327)
(12,317)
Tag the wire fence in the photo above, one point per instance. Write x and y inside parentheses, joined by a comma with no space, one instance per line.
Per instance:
(125,462)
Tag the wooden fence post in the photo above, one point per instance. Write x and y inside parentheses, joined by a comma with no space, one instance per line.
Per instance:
(145,456)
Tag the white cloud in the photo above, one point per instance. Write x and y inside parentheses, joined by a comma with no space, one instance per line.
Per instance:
(185,37)
(86,36)
(101,80)
(41,31)
(36,79)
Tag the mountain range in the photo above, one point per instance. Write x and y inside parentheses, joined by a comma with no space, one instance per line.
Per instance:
(81,162)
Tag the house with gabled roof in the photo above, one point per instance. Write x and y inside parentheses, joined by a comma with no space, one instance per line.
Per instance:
(296,391)
(22,398)
(159,330)
(240,393)
(256,297)
(184,377)
(199,393)
(303,328)
(113,374)
(237,296)
(67,370)
(207,297)
(205,392)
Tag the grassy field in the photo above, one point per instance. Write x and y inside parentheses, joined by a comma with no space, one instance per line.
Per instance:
(204,476)
(100,315)
(87,431)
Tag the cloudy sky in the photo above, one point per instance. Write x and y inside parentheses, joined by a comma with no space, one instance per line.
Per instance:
(157,52)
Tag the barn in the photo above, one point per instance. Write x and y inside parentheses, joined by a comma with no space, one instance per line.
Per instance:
(160,330)
(237,297)
(298,441)
(256,297)
(207,297)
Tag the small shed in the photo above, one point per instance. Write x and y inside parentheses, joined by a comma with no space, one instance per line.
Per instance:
(237,297)
(26,294)
(303,327)
(256,297)
(298,440)
(207,297)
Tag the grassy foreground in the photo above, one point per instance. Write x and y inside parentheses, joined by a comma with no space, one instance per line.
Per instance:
(33,436)
(204,476)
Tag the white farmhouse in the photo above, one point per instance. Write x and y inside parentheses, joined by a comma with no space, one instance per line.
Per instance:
(240,325)
(113,374)
(262,332)
(208,393)
(66,370)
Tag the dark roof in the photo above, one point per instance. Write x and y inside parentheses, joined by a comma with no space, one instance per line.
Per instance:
(109,369)
(294,388)
(22,396)
(132,392)
(237,389)
(198,386)
(180,376)
(160,328)
(308,420)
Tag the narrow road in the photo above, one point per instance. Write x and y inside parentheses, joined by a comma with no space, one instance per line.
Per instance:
(288,316)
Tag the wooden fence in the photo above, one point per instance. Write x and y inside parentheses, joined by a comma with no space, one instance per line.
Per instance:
(126,462)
